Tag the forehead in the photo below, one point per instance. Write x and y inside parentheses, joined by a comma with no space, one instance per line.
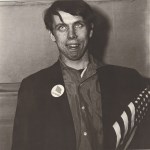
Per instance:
(66,17)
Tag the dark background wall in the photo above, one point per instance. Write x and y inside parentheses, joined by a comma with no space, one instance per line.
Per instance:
(121,38)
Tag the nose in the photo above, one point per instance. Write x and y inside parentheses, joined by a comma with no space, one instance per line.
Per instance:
(72,33)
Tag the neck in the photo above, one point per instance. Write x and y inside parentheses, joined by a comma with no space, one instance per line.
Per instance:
(77,64)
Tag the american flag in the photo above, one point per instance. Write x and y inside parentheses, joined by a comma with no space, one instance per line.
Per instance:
(131,117)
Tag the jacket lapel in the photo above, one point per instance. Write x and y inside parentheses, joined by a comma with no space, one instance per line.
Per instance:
(60,126)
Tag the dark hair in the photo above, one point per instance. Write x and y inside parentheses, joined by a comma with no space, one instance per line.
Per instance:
(74,7)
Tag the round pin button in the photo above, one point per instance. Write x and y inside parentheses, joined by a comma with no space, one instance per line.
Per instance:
(57,90)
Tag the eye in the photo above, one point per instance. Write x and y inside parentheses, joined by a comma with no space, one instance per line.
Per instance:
(62,28)
(79,25)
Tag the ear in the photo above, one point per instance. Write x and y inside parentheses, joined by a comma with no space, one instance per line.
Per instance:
(91,30)
(52,36)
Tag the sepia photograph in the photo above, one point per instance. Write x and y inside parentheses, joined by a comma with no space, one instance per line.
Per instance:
(74,74)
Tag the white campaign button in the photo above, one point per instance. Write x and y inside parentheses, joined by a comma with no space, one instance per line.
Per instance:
(57,90)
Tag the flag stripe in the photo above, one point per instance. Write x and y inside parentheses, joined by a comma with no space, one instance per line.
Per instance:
(118,133)
(121,124)
(132,109)
(126,123)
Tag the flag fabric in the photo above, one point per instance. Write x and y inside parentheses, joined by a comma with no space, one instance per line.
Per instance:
(130,118)
(117,129)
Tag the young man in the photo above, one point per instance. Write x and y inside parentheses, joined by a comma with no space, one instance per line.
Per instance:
(78,103)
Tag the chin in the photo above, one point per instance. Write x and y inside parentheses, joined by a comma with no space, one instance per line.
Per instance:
(75,58)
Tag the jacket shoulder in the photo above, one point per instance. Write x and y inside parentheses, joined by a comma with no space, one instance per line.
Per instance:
(120,73)
(43,72)
(50,74)
(121,79)
(117,69)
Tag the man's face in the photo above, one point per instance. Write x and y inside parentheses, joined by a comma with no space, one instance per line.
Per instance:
(71,35)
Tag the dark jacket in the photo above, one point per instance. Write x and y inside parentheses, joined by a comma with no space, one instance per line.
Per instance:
(44,122)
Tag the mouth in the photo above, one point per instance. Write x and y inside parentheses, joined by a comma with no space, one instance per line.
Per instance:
(73,46)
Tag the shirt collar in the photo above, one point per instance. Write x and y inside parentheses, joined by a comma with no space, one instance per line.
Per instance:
(94,63)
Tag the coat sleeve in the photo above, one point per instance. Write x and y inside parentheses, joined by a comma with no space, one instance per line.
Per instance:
(21,121)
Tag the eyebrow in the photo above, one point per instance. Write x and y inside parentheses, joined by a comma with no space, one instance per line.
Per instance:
(80,21)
